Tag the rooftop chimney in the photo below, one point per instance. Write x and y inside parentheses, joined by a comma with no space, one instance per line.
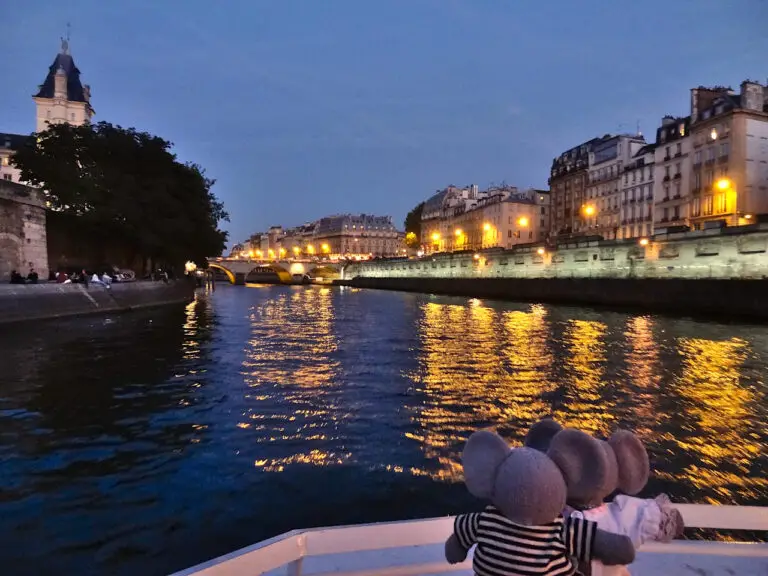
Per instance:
(703,97)
(752,95)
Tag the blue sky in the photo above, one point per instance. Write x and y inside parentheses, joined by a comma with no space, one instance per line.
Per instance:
(301,108)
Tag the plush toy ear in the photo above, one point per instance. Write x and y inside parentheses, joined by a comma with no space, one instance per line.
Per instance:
(540,435)
(632,459)
(583,463)
(484,452)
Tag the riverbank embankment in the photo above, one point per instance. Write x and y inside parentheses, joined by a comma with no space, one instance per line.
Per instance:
(25,302)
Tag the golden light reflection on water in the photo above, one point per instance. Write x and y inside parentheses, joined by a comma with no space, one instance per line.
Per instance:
(191,344)
(586,405)
(292,375)
(480,367)
(721,422)
(644,375)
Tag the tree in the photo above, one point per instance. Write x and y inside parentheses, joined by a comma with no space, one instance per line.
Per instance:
(126,186)
(413,225)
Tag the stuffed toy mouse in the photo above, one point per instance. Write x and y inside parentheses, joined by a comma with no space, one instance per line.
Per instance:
(522,531)
(626,462)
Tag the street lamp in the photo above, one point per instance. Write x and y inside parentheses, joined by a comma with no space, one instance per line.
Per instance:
(459,232)
(310,249)
(435,237)
(643,241)
(588,210)
(296,250)
(271,253)
(259,253)
(325,248)
(540,251)
(281,252)
(522,221)
(723,184)
(487,227)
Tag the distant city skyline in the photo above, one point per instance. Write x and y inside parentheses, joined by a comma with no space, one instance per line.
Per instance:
(302,109)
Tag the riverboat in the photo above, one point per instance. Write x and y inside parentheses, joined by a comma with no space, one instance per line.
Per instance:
(416,548)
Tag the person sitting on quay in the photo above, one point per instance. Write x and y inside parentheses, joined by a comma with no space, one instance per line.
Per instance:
(16,278)
(32,277)
(106,279)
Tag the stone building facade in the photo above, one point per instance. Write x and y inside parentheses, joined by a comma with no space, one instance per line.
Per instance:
(62,97)
(23,238)
(672,186)
(636,200)
(568,183)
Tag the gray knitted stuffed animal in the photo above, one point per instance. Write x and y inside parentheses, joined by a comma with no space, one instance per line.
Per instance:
(523,532)
(623,467)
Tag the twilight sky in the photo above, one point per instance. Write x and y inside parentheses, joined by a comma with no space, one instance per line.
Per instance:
(303,108)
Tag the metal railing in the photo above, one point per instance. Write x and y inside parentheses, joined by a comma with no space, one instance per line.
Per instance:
(415,547)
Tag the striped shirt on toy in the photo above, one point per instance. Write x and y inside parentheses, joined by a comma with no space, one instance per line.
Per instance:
(508,549)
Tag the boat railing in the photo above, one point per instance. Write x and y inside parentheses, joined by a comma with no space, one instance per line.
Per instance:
(415,547)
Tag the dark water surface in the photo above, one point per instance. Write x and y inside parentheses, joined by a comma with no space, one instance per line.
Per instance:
(147,442)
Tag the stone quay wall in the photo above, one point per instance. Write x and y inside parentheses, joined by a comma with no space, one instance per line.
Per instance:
(719,272)
(27,302)
(23,240)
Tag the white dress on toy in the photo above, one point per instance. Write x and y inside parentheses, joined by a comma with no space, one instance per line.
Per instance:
(642,519)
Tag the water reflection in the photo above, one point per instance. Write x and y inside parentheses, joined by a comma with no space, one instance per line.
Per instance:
(586,405)
(718,441)
(641,411)
(293,397)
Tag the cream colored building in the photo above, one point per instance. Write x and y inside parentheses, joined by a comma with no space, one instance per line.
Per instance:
(8,143)
(672,183)
(730,155)
(636,198)
(496,218)
(62,97)
(607,159)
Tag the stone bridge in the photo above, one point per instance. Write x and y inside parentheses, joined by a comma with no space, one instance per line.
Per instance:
(287,271)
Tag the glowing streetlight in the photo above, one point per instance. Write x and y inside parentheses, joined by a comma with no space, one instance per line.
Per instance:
(487,227)
(250,254)
(476,256)
(723,184)
(522,221)
(244,254)
(271,253)
(190,266)
(435,237)
(281,251)
(540,251)
(310,249)
(325,248)
(259,253)
(296,250)
(459,232)
(747,216)
(588,210)
(643,241)
(713,134)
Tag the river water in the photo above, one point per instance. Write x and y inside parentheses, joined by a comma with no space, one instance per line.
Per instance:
(147,442)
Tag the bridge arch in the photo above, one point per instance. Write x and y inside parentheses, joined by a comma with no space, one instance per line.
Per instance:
(226,271)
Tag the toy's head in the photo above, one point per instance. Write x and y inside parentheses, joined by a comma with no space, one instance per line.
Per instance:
(523,483)
(593,468)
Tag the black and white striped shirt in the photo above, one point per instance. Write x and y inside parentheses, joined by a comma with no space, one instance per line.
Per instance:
(508,549)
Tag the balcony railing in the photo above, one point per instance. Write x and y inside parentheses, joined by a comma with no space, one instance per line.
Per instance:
(667,157)
(677,176)
(723,159)
(678,154)
(667,178)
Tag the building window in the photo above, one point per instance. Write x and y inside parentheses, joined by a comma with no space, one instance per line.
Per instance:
(697,157)
(668,154)
(72,116)
(679,148)
(723,172)
(709,177)
(677,188)
(676,212)
(707,208)
(665,214)
(48,114)
(696,207)
(725,148)
(7,177)
(720,205)
(4,161)
(666,171)
(681,129)
(711,153)
(666,193)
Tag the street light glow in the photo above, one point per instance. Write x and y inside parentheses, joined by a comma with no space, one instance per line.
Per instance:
(310,249)
(296,250)
(325,248)
(522,221)
(540,251)
(459,232)
(435,237)
(643,241)
(589,210)
(723,184)
(259,253)
(487,227)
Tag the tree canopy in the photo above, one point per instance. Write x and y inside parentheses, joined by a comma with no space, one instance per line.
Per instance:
(413,225)
(127,185)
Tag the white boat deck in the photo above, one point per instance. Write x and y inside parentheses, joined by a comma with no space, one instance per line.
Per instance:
(416,548)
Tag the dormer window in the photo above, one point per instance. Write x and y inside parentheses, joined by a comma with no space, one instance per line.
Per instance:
(681,129)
